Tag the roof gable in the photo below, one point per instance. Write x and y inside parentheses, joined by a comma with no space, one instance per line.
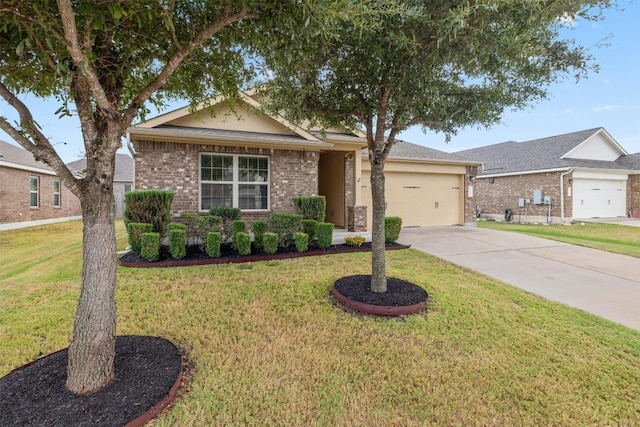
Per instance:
(599,146)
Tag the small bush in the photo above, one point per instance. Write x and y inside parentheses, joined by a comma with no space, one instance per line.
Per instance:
(302,241)
(259,228)
(237,226)
(243,243)
(205,225)
(150,249)
(392,227)
(325,234)
(270,242)
(135,231)
(225,212)
(311,207)
(310,227)
(177,243)
(227,215)
(176,226)
(354,241)
(190,220)
(285,225)
(214,240)
(150,207)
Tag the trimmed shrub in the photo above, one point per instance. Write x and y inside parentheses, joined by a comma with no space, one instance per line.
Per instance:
(243,243)
(285,225)
(150,246)
(354,241)
(325,234)
(213,244)
(148,206)
(310,228)
(177,243)
(270,242)
(227,215)
(205,225)
(311,207)
(259,228)
(302,241)
(392,227)
(135,231)
(190,219)
(176,226)
(237,226)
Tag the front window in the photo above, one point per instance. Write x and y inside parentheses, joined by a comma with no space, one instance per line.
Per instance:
(235,181)
(56,193)
(34,186)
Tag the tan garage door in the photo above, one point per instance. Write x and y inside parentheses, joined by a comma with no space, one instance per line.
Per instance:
(424,200)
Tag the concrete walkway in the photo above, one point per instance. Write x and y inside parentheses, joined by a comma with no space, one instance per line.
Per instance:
(598,282)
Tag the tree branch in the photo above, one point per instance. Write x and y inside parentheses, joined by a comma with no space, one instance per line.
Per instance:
(177,58)
(81,61)
(40,147)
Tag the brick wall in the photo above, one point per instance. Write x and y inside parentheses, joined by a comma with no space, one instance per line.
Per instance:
(174,166)
(470,201)
(494,195)
(633,195)
(14,198)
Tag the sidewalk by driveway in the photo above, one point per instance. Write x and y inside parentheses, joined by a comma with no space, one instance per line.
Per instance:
(598,282)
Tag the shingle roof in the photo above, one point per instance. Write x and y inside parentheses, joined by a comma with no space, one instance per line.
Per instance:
(407,150)
(542,154)
(123,171)
(20,157)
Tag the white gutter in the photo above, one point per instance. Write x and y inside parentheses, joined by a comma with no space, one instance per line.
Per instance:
(562,175)
(130,145)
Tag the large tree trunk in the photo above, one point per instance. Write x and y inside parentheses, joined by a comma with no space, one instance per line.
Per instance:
(92,349)
(378,255)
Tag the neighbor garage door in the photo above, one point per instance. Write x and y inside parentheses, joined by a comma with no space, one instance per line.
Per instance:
(596,198)
(420,199)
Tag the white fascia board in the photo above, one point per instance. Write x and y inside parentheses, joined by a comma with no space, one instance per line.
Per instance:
(26,168)
(531,172)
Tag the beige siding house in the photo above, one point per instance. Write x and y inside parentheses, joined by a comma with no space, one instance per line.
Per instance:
(246,158)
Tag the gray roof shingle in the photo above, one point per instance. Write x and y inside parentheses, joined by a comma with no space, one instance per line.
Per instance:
(407,150)
(20,157)
(123,171)
(542,154)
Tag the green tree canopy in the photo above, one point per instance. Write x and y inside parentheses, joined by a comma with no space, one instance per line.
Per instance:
(441,65)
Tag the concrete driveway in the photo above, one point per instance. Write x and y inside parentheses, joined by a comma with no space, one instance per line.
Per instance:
(598,282)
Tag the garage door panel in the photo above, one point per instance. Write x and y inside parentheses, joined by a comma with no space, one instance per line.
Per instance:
(598,198)
(420,199)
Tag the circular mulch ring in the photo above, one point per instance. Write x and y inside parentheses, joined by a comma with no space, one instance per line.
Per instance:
(401,298)
(148,375)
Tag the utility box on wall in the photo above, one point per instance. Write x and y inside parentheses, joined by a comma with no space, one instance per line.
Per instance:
(547,200)
(537,196)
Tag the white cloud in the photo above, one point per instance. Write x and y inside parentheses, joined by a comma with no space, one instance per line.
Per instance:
(607,108)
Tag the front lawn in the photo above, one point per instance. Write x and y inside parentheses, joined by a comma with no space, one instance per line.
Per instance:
(267,346)
(620,239)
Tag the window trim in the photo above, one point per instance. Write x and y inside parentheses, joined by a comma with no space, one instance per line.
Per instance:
(235,182)
(57,193)
(36,191)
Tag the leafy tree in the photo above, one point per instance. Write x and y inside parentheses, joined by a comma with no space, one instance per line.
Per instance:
(108,60)
(442,65)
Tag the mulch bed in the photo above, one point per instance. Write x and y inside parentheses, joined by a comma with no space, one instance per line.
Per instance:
(148,373)
(401,297)
(197,257)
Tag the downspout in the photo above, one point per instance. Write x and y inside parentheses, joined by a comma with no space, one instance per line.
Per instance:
(562,192)
(130,145)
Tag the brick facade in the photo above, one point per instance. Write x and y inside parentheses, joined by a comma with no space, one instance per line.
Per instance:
(633,195)
(14,197)
(175,166)
(470,200)
(494,195)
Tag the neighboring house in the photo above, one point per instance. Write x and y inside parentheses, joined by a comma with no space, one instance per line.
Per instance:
(258,162)
(122,179)
(31,190)
(578,175)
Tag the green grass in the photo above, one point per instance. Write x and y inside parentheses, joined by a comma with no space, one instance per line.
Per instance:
(620,239)
(268,347)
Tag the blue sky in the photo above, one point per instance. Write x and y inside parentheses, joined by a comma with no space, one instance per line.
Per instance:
(609,99)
